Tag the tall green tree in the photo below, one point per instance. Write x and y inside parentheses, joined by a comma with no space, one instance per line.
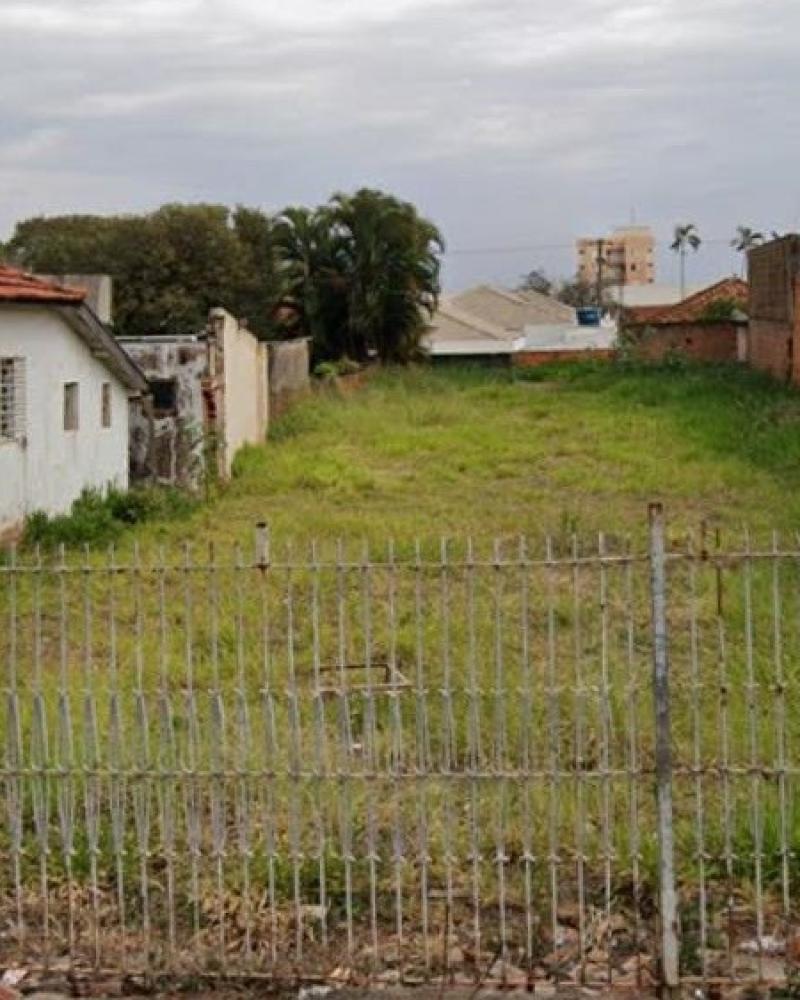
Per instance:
(363,272)
(169,266)
(744,240)
(685,238)
(312,274)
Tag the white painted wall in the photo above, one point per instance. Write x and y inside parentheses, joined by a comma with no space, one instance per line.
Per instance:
(246,390)
(54,465)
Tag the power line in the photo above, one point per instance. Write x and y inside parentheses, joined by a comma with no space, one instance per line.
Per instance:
(534,247)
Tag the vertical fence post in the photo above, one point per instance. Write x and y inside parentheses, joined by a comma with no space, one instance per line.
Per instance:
(262,545)
(663,751)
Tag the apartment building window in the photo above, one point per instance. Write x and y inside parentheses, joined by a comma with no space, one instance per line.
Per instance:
(71,420)
(105,404)
(12,399)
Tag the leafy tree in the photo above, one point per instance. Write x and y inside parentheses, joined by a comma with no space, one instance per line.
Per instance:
(358,274)
(536,281)
(744,240)
(258,289)
(169,266)
(578,292)
(362,272)
(685,237)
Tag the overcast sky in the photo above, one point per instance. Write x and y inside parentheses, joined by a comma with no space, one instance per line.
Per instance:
(516,125)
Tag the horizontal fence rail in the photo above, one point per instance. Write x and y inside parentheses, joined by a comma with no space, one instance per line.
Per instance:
(424,762)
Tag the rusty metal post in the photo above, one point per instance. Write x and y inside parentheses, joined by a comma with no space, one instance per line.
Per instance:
(668,908)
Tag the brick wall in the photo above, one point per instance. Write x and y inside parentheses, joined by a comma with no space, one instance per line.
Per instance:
(774,308)
(770,348)
(533,359)
(710,342)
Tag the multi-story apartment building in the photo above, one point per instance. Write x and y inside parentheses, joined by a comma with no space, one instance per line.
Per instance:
(623,258)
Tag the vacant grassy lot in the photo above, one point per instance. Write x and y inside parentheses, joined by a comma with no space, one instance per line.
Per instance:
(355,739)
(435,453)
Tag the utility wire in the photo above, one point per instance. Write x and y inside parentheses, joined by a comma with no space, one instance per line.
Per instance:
(533,247)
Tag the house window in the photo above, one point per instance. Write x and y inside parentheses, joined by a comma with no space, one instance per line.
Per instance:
(105,404)
(165,396)
(12,399)
(71,421)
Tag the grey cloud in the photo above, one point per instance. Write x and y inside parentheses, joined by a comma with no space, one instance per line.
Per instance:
(512,123)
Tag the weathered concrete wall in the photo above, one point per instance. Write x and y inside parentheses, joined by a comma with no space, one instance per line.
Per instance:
(219,401)
(168,446)
(289,373)
(709,342)
(242,371)
(774,308)
(49,467)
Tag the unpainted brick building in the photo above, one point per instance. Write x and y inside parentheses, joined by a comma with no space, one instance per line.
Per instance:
(709,326)
(774,308)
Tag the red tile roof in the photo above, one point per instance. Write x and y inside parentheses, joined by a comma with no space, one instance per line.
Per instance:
(17,286)
(693,309)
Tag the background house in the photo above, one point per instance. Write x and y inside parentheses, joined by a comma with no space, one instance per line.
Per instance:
(527,328)
(632,296)
(457,335)
(511,311)
(65,386)
(209,396)
(710,325)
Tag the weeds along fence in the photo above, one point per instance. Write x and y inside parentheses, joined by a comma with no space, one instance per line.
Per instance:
(509,762)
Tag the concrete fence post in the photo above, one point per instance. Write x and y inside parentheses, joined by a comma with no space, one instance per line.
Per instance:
(668,904)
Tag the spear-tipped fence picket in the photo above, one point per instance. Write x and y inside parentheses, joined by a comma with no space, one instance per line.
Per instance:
(459,762)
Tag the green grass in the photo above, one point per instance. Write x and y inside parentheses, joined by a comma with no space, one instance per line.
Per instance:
(471,452)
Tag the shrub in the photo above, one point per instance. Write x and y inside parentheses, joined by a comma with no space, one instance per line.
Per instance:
(332,369)
(719,311)
(97,519)
(325,369)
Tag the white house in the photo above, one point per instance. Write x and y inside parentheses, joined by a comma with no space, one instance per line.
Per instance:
(65,386)
(458,335)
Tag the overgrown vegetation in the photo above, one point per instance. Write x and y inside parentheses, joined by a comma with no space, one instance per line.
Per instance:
(359,274)
(470,451)
(99,518)
(565,450)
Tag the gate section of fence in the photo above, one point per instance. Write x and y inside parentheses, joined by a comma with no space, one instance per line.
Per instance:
(505,762)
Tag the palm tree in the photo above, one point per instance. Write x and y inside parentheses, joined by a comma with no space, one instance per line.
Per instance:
(744,240)
(361,272)
(313,276)
(685,237)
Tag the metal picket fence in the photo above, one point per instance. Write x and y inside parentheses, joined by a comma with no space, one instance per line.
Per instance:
(457,762)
